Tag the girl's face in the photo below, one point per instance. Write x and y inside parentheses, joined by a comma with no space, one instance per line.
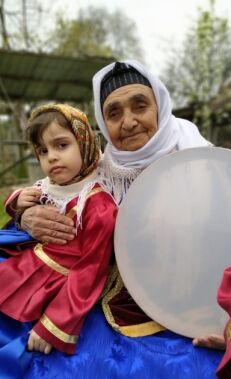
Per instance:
(59,154)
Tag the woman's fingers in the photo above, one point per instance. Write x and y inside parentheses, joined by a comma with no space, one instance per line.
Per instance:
(214,341)
(47,225)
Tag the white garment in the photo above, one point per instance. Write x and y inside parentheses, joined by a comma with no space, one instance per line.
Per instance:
(60,196)
(172,134)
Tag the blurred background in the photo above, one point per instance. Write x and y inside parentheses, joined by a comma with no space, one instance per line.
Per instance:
(49,51)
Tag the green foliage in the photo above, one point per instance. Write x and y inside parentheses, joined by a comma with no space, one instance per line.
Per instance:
(4,217)
(79,37)
(200,70)
(96,32)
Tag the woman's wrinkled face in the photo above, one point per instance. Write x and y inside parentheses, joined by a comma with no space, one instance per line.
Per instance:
(130,115)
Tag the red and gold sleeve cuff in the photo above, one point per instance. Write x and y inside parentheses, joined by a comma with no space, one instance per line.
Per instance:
(51,333)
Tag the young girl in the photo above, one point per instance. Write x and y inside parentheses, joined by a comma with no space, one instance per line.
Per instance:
(52,286)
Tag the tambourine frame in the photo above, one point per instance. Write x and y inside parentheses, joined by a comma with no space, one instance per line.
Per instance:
(173,239)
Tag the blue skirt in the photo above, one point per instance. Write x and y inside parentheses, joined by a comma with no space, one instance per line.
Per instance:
(103,353)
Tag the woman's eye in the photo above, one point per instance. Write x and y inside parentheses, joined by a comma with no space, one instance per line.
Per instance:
(112,114)
(141,106)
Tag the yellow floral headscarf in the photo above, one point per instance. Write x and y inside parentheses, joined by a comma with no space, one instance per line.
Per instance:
(85,136)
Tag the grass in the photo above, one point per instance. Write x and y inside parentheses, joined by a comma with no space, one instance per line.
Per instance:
(4,217)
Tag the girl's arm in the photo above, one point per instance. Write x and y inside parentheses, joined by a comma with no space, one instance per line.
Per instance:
(63,318)
(36,343)
(27,197)
(20,200)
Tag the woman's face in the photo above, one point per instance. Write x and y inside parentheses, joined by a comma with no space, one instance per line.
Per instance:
(130,115)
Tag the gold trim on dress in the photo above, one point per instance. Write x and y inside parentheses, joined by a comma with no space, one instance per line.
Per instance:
(110,280)
(105,301)
(228,331)
(53,329)
(95,191)
(38,250)
(72,212)
(144,329)
(138,330)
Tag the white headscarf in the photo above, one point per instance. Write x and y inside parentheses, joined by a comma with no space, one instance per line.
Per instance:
(121,167)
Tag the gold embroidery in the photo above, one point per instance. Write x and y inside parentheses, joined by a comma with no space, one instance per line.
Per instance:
(228,331)
(137,330)
(72,212)
(110,280)
(38,250)
(94,191)
(106,308)
(144,329)
(53,329)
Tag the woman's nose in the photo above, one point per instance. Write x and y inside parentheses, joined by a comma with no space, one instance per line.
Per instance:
(129,120)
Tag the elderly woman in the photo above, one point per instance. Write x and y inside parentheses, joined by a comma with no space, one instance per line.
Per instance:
(133,111)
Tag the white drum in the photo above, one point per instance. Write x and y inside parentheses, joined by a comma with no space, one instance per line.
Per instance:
(173,239)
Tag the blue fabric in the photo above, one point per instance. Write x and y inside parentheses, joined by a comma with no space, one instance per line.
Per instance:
(14,360)
(11,235)
(103,353)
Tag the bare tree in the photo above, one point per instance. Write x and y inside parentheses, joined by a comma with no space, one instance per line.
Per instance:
(197,73)
(4,35)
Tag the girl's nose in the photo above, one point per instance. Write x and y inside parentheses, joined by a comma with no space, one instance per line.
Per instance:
(52,156)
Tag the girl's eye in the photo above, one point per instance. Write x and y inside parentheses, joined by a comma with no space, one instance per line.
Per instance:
(41,151)
(62,145)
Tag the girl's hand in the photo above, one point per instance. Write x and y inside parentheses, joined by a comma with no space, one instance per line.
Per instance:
(36,343)
(28,197)
(214,341)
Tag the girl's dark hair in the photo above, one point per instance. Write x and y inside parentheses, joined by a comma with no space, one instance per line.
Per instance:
(36,127)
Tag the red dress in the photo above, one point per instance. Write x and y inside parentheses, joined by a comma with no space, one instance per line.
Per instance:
(56,285)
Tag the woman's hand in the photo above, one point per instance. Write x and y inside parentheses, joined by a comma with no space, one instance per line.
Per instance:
(45,224)
(214,341)
(36,343)
(28,197)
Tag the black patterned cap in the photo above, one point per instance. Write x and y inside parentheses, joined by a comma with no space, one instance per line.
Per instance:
(121,75)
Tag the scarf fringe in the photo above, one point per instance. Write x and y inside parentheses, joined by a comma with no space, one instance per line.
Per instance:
(48,198)
(114,178)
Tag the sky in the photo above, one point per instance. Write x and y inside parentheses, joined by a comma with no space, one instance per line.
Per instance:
(160,23)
